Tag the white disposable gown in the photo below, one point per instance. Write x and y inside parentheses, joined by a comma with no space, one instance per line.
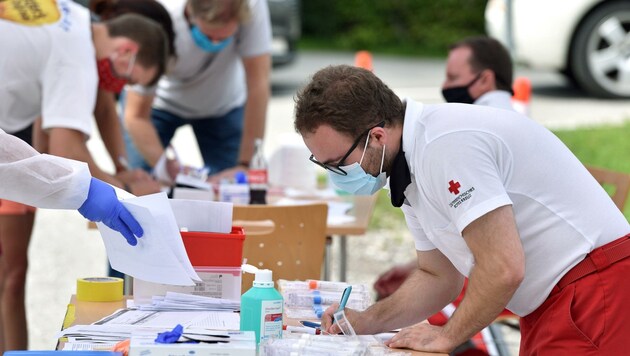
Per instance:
(40,180)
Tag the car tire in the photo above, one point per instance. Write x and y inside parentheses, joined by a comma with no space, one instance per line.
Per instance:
(592,72)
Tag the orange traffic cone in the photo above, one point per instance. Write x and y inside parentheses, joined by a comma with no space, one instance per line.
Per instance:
(522,95)
(363,59)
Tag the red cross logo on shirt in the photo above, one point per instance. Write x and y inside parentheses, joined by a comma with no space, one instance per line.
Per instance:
(453,187)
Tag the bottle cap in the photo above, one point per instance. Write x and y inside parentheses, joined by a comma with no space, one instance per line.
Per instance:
(263,278)
(240,177)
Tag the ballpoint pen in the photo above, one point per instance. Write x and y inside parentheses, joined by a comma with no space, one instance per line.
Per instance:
(344,298)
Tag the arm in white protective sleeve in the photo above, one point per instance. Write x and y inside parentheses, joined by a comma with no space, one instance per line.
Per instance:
(40,180)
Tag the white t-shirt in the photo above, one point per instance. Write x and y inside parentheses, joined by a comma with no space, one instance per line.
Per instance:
(48,70)
(467,160)
(500,99)
(203,84)
(44,181)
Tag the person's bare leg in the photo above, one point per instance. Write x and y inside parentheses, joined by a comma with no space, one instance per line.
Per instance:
(2,349)
(15,235)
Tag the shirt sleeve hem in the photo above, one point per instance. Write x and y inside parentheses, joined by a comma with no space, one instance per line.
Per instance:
(481,209)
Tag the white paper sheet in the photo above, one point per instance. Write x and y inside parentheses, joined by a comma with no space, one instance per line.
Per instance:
(211,319)
(336,209)
(160,255)
(198,215)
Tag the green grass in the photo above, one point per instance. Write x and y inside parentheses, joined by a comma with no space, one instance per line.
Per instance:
(603,146)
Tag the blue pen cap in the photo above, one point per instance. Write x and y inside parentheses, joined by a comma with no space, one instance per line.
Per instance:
(240,177)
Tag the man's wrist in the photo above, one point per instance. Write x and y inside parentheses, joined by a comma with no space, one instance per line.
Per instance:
(243,163)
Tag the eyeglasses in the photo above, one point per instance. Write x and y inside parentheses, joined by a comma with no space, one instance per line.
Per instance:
(132,61)
(128,72)
(337,168)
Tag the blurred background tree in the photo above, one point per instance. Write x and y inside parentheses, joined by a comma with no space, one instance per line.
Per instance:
(413,27)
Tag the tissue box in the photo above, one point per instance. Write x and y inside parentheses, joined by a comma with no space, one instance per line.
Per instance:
(215,249)
(241,343)
(216,282)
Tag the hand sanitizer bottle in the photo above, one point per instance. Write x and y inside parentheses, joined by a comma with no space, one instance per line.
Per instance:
(261,306)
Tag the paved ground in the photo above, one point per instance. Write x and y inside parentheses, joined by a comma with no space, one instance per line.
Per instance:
(63,249)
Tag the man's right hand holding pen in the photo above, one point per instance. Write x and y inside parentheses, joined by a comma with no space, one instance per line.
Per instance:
(328,320)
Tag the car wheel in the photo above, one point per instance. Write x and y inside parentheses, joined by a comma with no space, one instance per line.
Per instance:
(600,52)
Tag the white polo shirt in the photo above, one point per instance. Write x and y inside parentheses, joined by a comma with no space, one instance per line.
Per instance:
(467,160)
(500,99)
(48,70)
(203,84)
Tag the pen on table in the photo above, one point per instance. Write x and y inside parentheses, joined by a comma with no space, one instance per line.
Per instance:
(311,324)
(302,329)
(344,298)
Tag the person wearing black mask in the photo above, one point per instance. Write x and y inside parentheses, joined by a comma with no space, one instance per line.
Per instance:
(479,71)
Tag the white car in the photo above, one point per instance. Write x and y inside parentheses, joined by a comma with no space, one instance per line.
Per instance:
(587,40)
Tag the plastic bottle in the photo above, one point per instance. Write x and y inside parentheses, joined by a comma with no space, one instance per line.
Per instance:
(261,306)
(258,175)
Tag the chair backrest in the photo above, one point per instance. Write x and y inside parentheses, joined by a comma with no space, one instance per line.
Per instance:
(289,240)
(618,181)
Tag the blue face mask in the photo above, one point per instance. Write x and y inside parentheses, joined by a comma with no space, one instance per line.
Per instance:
(357,181)
(202,41)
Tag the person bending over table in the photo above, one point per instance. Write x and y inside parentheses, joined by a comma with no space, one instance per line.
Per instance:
(487,194)
(51,72)
(219,85)
(478,71)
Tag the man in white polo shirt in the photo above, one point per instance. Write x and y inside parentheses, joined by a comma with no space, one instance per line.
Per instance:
(487,194)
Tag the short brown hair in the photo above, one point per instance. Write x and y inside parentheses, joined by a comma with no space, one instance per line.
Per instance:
(109,9)
(348,99)
(220,11)
(488,53)
(150,37)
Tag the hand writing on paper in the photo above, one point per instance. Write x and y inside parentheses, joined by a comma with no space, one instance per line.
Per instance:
(353,316)
(423,337)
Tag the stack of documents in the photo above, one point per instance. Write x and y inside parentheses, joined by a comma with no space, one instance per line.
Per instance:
(120,325)
(178,301)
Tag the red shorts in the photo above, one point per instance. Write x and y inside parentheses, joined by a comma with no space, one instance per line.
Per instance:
(8,207)
(587,316)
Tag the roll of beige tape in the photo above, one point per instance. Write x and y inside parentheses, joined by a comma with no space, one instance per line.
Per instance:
(100,289)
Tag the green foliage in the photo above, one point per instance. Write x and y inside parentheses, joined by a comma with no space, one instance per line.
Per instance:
(424,27)
(603,146)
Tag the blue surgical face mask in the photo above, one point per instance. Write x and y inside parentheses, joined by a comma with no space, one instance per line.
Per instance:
(357,181)
(202,41)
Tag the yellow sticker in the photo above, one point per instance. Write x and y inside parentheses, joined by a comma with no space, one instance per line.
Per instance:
(30,12)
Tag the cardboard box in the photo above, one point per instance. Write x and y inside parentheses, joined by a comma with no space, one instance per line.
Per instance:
(241,343)
(217,282)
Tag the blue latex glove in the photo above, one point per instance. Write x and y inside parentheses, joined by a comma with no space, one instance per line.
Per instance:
(170,337)
(102,204)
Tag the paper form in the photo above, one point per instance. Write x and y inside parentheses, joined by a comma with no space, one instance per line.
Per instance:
(159,256)
(220,320)
(198,215)
(336,210)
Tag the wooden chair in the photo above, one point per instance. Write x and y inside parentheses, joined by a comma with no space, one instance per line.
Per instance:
(618,181)
(289,240)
